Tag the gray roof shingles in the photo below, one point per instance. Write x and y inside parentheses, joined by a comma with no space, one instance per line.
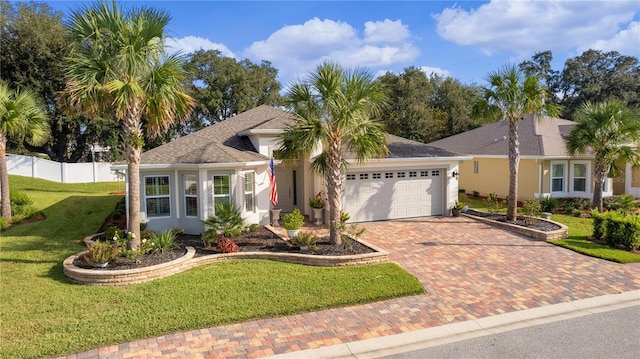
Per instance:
(542,137)
(220,142)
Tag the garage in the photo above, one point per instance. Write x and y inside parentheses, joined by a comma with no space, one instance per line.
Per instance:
(393,194)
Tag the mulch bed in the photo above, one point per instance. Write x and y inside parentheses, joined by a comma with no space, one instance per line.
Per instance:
(260,240)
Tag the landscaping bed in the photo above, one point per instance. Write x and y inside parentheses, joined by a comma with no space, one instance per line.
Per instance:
(537,228)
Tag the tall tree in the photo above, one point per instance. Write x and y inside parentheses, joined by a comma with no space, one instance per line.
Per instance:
(596,76)
(117,62)
(224,87)
(334,111)
(512,94)
(20,115)
(540,65)
(427,108)
(608,130)
(33,43)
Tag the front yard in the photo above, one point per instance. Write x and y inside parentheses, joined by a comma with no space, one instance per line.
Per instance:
(44,314)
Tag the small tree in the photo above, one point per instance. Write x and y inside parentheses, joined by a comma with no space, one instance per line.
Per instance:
(607,130)
(20,116)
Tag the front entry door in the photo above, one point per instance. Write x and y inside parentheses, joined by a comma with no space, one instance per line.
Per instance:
(286,188)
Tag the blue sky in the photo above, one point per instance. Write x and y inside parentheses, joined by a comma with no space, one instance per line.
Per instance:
(463,39)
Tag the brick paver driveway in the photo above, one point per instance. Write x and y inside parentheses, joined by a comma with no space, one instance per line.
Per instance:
(469,270)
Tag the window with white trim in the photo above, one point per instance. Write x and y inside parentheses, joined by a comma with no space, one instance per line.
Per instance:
(351,177)
(400,174)
(435,173)
(157,194)
(376,176)
(579,182)
(249,192)
(557,176)
(221,189)
(388,175)
(364,176)
(413,174)
(424,173)
(190,195)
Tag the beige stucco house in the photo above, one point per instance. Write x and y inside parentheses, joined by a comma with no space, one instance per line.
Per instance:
(545,168)
(181,181)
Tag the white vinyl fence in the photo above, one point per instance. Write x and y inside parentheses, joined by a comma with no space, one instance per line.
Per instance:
(60,172)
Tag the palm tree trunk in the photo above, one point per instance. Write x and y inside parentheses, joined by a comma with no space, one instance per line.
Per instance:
(600,175)
(4,179)
(334,189)
(514,161)
(133,150)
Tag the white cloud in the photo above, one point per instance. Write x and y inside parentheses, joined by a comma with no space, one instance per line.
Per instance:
(435,71)
(626,41)
(296,49)
(189,44)
(526,27)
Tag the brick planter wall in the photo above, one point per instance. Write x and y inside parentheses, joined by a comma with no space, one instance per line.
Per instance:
(146,274)
(529,232)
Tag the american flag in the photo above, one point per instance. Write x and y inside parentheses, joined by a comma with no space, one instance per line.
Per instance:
(273,190)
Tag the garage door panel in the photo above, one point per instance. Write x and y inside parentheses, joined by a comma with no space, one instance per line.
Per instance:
(393,197)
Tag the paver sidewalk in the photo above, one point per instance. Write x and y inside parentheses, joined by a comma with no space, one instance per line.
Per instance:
(469,270)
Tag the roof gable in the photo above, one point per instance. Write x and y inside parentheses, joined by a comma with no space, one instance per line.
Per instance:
(538,137)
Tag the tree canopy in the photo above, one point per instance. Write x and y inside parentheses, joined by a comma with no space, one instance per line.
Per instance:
(426,109)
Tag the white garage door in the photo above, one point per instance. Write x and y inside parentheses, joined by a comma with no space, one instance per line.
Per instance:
(372,196)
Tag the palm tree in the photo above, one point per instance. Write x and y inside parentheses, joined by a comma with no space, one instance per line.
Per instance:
(608,130)
(20,116)
(117,63)
(334,111)
(510,96)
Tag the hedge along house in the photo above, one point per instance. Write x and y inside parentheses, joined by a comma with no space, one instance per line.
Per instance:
(545,167)
(182,181)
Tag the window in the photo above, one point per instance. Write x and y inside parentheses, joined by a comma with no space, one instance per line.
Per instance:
(351,177)
(376,176)
(424,173)
(388,175)
(476,166)
(190,195)
(157,196)
(364,176)
(221,190)
(557,177)
(579,177)
(249,191)
(413,174)
(401,175)
(435,173)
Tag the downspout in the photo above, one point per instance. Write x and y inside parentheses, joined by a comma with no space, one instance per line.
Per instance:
(539,178)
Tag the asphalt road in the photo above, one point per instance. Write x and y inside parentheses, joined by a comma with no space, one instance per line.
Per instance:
(614,334)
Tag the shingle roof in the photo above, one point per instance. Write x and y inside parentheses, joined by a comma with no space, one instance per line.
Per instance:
(220,143)
(542,137)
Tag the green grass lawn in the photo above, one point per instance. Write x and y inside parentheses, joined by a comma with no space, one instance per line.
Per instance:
(579,231)
(44,314)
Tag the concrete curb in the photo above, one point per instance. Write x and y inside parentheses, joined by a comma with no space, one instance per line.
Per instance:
(449,333)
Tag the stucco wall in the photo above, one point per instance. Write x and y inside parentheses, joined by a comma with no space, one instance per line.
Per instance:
(493,176)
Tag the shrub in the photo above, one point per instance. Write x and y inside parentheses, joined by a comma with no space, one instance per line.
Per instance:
(531,208)
(20,203)
(228,221)
(549,204)
(102,252)
(209,238)
(163,241)
(620,229)
(599,224)
(293,220)
(624,202)
(226,245)
(476,194)
(110,232)
(463,198)
(4,224)
(177,230)
(303,239)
